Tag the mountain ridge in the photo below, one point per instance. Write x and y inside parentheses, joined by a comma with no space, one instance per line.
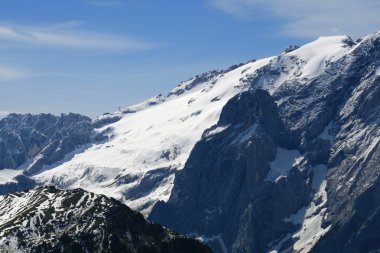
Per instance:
(52,220)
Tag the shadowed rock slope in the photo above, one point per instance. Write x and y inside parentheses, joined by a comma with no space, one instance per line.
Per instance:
(294,171)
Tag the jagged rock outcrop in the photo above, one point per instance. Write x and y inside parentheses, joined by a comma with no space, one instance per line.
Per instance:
(51,220)
(42,139)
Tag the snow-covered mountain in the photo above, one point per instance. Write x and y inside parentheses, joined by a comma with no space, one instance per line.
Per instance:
(153,140)
(266,156)
(293,170)
(51,220)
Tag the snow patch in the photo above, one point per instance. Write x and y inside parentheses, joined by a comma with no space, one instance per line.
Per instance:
(327,133)
(277,247)
(205,239)
(282,164)
(8,175)
(310,218)
(244,136)
(216,130)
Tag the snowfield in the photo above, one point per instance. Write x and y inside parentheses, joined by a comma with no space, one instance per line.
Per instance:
(146,148)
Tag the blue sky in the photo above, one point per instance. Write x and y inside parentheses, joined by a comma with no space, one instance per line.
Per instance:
(92,56)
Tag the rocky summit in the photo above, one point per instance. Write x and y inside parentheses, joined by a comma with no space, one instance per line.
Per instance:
(51,220)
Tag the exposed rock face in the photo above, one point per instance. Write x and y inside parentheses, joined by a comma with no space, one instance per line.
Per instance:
(105,119)
(227,192)
(291,48)
(353,182)
(42,139)
(224,190)
(52,220)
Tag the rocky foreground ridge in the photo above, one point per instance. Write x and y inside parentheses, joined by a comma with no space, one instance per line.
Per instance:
(51,220)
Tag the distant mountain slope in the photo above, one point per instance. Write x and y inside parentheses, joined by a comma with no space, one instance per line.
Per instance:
(51,220)
(45,137)
(32,141)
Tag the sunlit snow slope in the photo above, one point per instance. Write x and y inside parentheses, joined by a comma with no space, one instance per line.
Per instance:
(153,140)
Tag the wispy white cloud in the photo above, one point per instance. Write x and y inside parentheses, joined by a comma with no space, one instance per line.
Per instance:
(64,36)
(11,74)
(312,18)
(68,24)
(240,8)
